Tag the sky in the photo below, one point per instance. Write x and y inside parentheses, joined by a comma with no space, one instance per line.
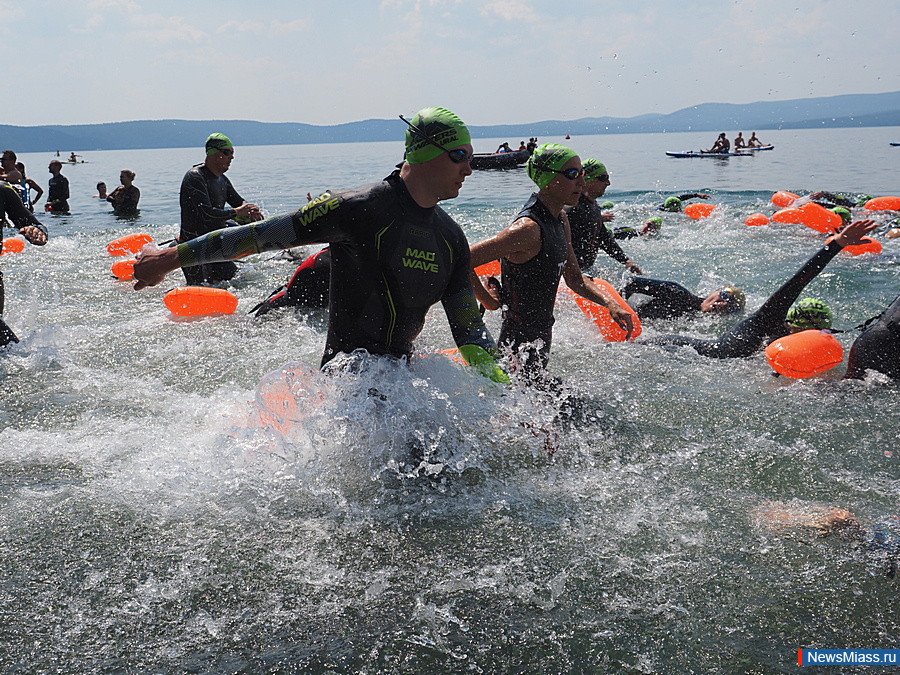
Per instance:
(490,61)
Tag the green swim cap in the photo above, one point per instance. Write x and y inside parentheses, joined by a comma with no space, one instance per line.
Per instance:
(593,169)
(439,125)
(809,313)
(671,204)
(216,143)
(863,199)
(844,213)
(656,221)
(607,205)
(546,160)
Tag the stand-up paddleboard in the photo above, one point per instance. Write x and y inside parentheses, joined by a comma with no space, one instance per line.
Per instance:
(600,315)
(895,144)
(691,153)
(760,148)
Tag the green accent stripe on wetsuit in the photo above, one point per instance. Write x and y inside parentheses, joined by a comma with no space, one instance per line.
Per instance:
(392,308)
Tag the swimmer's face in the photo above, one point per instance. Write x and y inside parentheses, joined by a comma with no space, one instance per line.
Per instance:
(568,190)
(719,302)
(219,162)
(597,187)
(448,176)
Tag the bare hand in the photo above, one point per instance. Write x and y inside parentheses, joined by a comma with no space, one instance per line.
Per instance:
(152,264)
(607,216)
(855,231)
(623,319)
(34,235)
(249,212)
(634,269)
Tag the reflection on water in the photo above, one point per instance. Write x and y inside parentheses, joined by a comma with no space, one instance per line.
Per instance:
(156,517)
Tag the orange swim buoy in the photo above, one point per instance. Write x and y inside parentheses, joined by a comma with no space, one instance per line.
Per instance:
(819,218)
(12,245)
(129,244)
(784,199)
(788,215)
(883,204)
(865,245)
(600,315)
(491,269)
(698,211)
(200,301)
(756,220)
(804,354)
(124,269)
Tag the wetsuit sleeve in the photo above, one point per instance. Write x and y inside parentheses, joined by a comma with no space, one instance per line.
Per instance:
(65,188)
(670,299)
(196,193)
(690,195)
(318,222)
(16,210)
(232,197)
(607,242)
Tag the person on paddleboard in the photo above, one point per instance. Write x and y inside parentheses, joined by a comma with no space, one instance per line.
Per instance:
(773,319)
(588,221)
(534,252)
(394,251)
(722,145)
(11,207)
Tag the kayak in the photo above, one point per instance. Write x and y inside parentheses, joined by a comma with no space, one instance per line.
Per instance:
(499,160)
(895,144)
(691,153)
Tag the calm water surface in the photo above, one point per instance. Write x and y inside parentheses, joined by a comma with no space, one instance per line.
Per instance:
(151,521)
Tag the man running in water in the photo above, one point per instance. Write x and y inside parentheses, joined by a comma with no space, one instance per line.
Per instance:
(669,300)
(588,222)
(769,322)
(394,251)
(205,190)
(29,227)
(878,348)
(534,252)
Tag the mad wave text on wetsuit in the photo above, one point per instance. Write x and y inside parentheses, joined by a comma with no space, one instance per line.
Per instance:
(317,208)
(420,260)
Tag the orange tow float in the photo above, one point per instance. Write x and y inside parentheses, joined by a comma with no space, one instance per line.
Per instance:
(200,301)
(804,354)
(129,244)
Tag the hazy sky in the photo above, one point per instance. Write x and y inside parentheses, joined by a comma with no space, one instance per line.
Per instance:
(491,61)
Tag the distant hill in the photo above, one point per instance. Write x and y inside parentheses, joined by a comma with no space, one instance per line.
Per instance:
(848,110)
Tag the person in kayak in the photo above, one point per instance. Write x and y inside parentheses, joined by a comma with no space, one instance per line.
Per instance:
(394,251)
(770,321)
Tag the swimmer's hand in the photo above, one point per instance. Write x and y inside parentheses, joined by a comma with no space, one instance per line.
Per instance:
(854,232)
(248,212)
(622,318)
(484,363)
(34,235)
(153,264)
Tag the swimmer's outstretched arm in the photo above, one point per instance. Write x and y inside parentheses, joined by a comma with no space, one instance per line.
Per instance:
(854,232)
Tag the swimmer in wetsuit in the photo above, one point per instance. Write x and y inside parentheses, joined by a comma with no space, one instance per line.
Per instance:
(769,322)
(878,348)
(674,204)
(394,251)
(587,221)
(205,190)
(534,252)
(58,191)
(308,286)
(669,300)
(29,227)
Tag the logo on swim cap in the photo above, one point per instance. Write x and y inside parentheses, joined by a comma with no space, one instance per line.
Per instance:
(593,169)
(809,313)
(844,213)
(216,143)
(546,160)
(671,204)
(440,128)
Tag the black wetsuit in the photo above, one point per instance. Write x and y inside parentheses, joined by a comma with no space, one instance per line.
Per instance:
(391,261)
(765,324)
(878,348)
(685,197)
(829,200)
(669,300)
(529,290)
(58,193)
(307,288)
(203,198)
(590,233)
(125,200)
(11,205)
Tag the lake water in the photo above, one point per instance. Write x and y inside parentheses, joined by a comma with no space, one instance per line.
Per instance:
(150,523)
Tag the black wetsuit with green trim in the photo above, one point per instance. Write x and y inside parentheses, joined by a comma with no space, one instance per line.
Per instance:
(668,300)
(58,193)
(203,198)
(11,206)
(590,233)
(529,290)
(765,324)
(878,348)
(391,260)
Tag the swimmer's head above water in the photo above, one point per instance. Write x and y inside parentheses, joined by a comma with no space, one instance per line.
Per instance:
(724,301)
(809,313)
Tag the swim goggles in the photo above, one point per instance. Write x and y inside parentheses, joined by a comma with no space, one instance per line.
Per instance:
(728,298)
(457,156)
(571,174)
